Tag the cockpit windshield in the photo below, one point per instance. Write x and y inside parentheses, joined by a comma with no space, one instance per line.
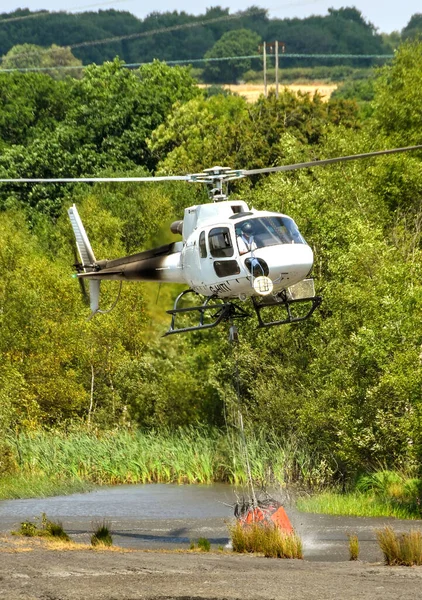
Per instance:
(260,232)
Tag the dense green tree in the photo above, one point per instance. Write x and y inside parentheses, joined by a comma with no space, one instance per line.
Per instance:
(188,36)
(240,43)
(398,101)
(104,123)
(28,56)
(414,28)
(31,103)
(345,384)
(228,130)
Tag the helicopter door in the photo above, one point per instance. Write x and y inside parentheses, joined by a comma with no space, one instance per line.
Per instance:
(221,247)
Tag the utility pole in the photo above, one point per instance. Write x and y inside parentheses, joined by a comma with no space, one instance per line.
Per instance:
(263,47)
(273,47)
(264,53)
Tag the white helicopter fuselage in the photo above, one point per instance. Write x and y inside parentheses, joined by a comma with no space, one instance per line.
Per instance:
(213,262)
(214,258)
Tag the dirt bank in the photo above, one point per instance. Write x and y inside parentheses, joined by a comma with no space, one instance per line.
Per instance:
(30,570)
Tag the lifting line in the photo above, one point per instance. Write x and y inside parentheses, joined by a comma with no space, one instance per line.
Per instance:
(234,339)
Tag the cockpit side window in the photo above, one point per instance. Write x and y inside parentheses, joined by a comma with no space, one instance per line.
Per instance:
(220,242)
(202,245)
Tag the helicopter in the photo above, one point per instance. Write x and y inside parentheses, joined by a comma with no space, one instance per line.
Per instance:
(229,254)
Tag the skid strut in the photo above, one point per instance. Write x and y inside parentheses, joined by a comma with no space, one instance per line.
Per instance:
(222,312)
(281,300)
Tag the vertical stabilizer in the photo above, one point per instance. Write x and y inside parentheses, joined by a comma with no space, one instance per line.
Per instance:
(82,242)
(87,257)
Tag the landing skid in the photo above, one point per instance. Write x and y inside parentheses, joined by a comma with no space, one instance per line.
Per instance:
(216,311)
(225,311)
(281,300)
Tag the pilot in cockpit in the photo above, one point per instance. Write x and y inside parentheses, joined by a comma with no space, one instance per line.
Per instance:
(245,237)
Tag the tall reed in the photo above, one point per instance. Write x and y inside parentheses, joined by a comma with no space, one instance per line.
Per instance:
(190,455)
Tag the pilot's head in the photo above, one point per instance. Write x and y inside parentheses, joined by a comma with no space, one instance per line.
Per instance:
(247,229)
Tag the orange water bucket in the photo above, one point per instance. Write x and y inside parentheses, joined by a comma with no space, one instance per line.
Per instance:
(269,514)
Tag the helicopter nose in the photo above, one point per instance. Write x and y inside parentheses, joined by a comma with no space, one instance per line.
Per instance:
(291,262)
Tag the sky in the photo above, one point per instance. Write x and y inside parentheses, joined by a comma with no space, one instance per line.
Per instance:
(386,15)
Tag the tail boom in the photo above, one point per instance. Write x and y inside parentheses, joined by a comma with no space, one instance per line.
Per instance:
(159,264)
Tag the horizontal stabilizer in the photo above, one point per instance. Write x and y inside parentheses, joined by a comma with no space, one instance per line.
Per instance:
(82,242)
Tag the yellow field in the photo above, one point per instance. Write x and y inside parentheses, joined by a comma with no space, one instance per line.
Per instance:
(252,91)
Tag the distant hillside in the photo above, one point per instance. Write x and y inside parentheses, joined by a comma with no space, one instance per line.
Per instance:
(341,31)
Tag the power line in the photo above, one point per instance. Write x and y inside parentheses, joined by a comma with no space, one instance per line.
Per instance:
(205,60)
(132,36)
(152,32)
(41,13)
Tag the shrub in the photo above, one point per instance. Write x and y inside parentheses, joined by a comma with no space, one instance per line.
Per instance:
(47,528)
(27,528)
(8,463)
(52,529)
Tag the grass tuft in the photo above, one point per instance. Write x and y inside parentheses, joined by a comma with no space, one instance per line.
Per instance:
(400,549)
(47,529)
(204,545)
(265,539)
(353,547)
(102,535)
(27,529)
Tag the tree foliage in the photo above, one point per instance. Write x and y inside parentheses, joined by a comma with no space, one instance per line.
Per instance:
(346,383)
(240,43)
(342,31)
(29,56)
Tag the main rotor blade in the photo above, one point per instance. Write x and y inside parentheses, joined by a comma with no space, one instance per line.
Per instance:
(327,161)
(93,179)
(217,174)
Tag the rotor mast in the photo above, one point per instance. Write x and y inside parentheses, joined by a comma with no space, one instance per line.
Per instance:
(216,179)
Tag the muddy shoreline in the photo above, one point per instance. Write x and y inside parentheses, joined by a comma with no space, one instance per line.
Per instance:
(32,570)
(152,527)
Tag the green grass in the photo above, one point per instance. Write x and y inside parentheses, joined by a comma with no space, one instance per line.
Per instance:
(204,544)
(383,493)
(355,504)
(266,539)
